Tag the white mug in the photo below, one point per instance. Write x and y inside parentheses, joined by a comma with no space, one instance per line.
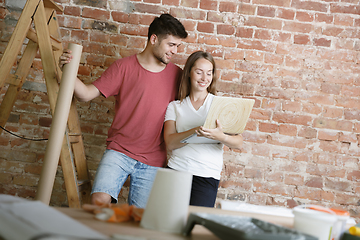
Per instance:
(168,203)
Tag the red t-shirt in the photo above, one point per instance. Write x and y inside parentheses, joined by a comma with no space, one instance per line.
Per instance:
(141,101)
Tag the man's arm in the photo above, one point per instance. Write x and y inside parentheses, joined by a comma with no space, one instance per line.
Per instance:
(83,92)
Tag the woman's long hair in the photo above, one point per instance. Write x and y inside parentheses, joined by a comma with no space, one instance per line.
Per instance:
(185,83)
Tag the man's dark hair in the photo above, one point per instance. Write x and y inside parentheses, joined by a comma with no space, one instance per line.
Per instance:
(167,25)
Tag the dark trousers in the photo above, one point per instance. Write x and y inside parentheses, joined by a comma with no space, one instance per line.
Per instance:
(203,191)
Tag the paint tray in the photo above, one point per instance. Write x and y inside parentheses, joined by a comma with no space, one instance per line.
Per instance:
(242,228)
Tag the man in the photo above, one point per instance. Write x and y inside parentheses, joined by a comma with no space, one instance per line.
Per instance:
(143,85)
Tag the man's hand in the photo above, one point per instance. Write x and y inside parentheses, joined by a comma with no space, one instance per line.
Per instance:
(65,58)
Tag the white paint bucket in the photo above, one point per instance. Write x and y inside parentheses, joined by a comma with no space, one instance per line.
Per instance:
(319,224)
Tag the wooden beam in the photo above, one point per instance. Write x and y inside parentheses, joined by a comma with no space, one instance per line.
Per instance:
(17,39)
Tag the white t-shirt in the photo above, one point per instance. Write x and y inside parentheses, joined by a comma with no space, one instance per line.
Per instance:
(204,160)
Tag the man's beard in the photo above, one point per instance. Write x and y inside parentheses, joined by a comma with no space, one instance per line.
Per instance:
(162,59)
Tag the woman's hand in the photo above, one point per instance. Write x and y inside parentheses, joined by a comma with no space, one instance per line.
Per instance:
(216,133)
(232,141)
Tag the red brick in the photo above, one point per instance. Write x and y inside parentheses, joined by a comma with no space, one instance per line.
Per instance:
(171,2)
(331,112)
(96,14)
(328,135)
(189,3)
(224,64)
(307,193)
(95,60)
(288,14)
(268,127)
(307,132)
(332,31)
(188,14)
(292,62)
(70,22)
(256,138)
(214,17)
(243,32)
(149,8)
(225,29)
(254,55)
(79,35)
(310,5)
(263,34)
(230,76)
(282,37)
(234,54)
(134,30)
(206,27)
(294,179)
(350,9)
(273,58)
(261,22)
(289,118)
(346,199)
(235,88)
(348,138)
(325,18)
(280,3)
(247,9)
(302,39)
(354,175)
(120,17)
(253,173)
(153,1)
(74,11)
(208,4)
(228,7)
(286,141)
(333,124)
(289,130)
(344,20)
(304,16)
(298,27)
(273,188)
(322,42)
(266,11)
(274,177)
(256,45)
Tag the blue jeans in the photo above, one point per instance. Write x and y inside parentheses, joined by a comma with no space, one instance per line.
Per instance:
(113,170)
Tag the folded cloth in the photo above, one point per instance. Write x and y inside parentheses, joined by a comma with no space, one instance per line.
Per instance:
(115,212)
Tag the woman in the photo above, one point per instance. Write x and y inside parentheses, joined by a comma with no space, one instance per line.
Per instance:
(185,117)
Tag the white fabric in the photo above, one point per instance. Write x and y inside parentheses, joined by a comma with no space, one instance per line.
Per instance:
(204,160)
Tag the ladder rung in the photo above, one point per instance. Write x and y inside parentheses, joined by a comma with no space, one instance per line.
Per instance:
(55,43)
(83,182)
(74,137)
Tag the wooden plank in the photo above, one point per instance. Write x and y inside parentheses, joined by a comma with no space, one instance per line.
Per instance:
(51,4)
(47,56)
(21,74)
(51,77)
(17,39)
(56,44)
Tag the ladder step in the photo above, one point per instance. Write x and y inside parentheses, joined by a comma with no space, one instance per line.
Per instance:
(83,182)
(74,137)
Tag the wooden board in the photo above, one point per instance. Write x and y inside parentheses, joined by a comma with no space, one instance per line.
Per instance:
(232,113)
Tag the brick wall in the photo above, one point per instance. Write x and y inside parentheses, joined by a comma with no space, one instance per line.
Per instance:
(298,59)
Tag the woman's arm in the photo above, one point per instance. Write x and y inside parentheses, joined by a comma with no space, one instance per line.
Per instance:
(172,137)
(232,141)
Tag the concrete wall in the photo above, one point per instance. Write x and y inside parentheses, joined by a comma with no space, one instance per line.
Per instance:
(298,59)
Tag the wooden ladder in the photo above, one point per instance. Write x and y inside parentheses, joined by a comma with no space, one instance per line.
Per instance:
(45,37)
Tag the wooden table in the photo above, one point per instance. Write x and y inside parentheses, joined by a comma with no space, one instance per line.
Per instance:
(138,233)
